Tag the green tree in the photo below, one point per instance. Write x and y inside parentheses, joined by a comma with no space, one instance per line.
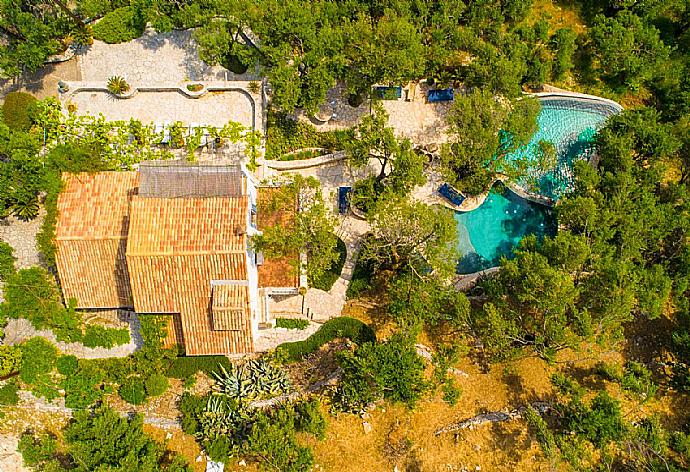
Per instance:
(411,236)
(563,44)
(626,49)
(400,167)
(485,130)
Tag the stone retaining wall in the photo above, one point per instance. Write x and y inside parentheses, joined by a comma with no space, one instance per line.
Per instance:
(306,163)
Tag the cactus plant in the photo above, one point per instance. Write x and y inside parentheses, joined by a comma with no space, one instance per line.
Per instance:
(252,380)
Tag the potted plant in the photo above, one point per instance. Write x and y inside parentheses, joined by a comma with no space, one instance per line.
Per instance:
(118,86)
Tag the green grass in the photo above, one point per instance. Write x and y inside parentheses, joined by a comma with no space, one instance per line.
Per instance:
(292,323)
(326,281)
(342,327)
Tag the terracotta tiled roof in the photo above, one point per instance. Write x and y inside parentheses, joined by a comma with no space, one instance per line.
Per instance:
(281,271)
(92,224)
(161,226)
(95,206)
(230,307)
(176,247)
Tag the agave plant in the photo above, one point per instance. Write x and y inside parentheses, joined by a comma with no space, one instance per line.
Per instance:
(252,380)
(26,207)
(117,85)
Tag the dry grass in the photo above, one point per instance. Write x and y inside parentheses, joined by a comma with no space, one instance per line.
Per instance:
(558,14)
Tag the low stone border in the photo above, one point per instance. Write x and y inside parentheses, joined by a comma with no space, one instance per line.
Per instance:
(306,163)
(241,87)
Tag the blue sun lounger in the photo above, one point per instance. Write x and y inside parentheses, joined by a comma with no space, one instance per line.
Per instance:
(450,194)
(343,200)
(439,95)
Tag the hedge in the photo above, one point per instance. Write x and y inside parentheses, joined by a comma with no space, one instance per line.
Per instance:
(120,26)
(183,367)
(99,336)
(15,110)
(342,327)
(8,393)
(292,323)
(328,278)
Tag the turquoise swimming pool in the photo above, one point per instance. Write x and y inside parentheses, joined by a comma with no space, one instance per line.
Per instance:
(570,124)
(496,227)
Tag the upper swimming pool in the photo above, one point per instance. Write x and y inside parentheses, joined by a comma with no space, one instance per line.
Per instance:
(570,124)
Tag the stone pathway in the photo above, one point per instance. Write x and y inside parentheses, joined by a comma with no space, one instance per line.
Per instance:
(269,339)
(21,235)
(10,459)
(18,330)
(153,59)
(43,83)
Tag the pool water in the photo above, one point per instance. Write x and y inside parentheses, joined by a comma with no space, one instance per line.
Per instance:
(496,227)
(570,125)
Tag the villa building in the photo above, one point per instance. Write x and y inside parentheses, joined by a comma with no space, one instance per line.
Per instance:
(171,239)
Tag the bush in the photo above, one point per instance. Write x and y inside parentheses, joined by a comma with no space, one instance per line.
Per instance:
(327,279)
(133,391)
(292,323)
(15,110)
(38,362)
(391,370)
(8,393)
(10,360)
(156,385)
(120,25)
(45,239)
(99,336)
(284,135)
(192,407)
(83,386)
(183,367)
(6,261)
(67,365)
(310,418)
(342,327)
(32,294)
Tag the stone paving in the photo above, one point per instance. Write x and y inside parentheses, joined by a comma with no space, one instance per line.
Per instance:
(270,338)
(43,83)
(422,122)
(153,59)
(213,109)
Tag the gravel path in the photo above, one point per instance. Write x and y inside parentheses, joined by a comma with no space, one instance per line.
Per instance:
(18,330)
(21,235)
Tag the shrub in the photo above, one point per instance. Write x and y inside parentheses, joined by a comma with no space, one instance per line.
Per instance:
(45,239)
(310,418)
(32,294)
(8,393)
(192,407)
(120,25)
(117,85)
(156,385)
(284,135)
(391,370)
(271,438)
(67,365)
(38,362)
(342,327)
(183,367)
(133,391)
(15,110)
(99,336)
(10,360)
(361,279)
(327,279)
(6,260)
(292,323)
(83,386)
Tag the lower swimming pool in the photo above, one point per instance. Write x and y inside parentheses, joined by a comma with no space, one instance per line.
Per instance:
(497,226)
